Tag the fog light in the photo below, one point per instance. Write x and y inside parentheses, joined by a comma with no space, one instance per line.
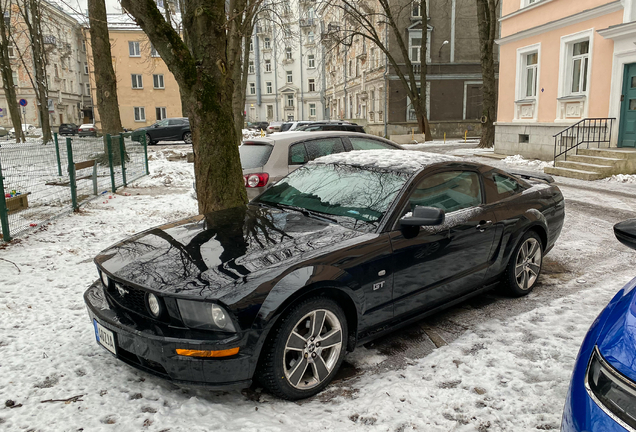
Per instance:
(154,305)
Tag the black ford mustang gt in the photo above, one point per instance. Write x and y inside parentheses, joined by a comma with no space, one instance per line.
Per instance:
(337,253)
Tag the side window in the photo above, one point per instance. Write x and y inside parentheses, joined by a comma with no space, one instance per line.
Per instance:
(174,122)
(323,147)
(368,144)
(297,154)
(449,191)
(506,186)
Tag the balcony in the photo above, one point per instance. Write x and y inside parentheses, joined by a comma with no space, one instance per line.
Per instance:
(263,30)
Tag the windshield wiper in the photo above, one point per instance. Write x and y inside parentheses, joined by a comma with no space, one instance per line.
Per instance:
(306,212)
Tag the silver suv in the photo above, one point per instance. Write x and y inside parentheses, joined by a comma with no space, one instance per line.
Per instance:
(266,160)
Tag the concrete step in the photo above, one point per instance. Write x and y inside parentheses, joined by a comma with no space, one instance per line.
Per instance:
(617,153)
(574,173)
(595,160)
(582,166)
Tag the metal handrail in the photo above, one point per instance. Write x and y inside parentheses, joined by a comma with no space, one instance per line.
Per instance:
(587,131)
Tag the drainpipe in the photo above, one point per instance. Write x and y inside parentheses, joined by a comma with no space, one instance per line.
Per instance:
(300,45)
(326,113)
(346,65)
(275,61)
(257,71)
(386,82)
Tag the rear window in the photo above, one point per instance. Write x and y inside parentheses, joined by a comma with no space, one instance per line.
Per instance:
(369,144)
(285,126)
(254,155)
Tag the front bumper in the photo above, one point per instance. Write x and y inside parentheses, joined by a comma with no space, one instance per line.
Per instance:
(151,346)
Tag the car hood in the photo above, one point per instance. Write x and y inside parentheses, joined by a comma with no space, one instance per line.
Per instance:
(211,255)
(617,339)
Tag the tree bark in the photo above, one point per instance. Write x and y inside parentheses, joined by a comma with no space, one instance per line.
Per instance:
(105,79)
(7,77)
(487,22)
(240,73)
(206,86)
(423,114)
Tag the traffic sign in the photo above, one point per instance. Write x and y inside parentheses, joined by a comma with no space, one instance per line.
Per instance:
(23,102)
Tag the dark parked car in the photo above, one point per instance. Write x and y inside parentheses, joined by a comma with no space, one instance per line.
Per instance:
(342,250)
(170,129)
(262,126)
(339,126)
(602,395)
(68,129)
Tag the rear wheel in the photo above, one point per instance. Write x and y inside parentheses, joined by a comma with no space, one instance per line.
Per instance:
(305,351)
(525,264)
(187,137)
(149,140)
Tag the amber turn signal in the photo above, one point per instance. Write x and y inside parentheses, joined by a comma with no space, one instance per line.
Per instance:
(201,353)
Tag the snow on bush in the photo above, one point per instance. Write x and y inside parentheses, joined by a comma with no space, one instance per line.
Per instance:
(168,172)
(519,160)
(622,178)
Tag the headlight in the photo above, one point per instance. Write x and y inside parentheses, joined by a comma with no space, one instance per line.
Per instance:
(154,305)
(205,316)
(104,278)
(612,391)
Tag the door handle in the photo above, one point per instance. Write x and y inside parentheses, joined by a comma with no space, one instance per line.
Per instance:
(483,225)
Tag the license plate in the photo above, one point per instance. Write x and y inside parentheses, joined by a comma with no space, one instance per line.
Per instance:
(105,337)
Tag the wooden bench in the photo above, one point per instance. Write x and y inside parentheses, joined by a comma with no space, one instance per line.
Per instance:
(79,166)
(17,203)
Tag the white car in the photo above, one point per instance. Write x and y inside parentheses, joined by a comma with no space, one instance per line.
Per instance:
(26,128)
(87,129)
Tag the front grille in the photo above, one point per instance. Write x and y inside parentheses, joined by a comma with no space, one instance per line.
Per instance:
(129,298)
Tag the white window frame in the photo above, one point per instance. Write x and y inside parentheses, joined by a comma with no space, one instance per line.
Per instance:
(288,53)
(134,49)
(522,79)
(268,87)
(267,44)
(527,3)
(311,83)
(140,114)
(312,110)
(137,81)
(566,62)
(252,87)
(311,37)
(290,101)
(16,79)
(419,9)
(158,81)
(87,88)
(85,68)
(290,77)
(250,68)
(417,34)
(268,65)
(11,50)
(311,61)
(154,52)
(162,113)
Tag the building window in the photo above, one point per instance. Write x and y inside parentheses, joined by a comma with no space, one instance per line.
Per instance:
(530,69)
(312,110)
(157,81)
(88,89)
(310,37)
(311,61)
(85,68)
(578,65)
(267,43)
(160,112)
(312,85)
(252,88)
(416,11)
(140,114)
(415,46)
(526,3)
(290,77)
(133,49)
(11,51)
(251,67)
(251,45)
(16,82)
(83,45)
(137,82)
(268,65)
(290,100)
(350,68)
(270,111)
(268,87)
(153,52)
(288,53)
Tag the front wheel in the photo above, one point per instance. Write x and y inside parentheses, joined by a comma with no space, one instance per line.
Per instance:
(525,264)
(149,140)
(187,137)
(305,350)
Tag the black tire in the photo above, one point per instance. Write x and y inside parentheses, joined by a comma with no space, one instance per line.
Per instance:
(187,137)
(524,267)
(149,140)
(290,371)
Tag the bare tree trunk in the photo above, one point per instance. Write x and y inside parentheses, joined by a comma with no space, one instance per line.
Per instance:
(487,22)
(205,81)
(32,14)
(423,114)
(7,76)
(105,79)
(238,98)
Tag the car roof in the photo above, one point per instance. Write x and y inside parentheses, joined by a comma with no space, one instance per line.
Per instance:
(408,161)
(289,138)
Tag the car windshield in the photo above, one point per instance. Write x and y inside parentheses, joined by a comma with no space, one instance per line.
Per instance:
(285,127)
(358,197)
(254,155)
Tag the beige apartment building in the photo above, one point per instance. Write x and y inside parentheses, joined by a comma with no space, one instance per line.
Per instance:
(146,89)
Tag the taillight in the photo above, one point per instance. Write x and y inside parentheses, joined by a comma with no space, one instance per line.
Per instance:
(256,180)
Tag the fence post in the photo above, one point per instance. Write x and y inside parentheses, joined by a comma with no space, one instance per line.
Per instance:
(57,154)
(4,214)
(122,152)
(143,137)
(71,173)
(109,148)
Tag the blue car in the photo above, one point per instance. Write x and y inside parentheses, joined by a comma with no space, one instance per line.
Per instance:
(602,395)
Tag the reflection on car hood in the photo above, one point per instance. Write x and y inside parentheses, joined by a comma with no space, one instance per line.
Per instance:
(211,255)
(617,339)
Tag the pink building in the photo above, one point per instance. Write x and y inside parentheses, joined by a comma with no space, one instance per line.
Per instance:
(563,61)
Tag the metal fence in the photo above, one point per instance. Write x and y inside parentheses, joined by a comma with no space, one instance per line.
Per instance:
(43,181)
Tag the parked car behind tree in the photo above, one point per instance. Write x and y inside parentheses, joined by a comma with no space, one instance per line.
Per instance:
(87,129)
(170,129)
(68,129)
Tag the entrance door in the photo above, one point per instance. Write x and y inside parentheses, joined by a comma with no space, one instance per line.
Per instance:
(627,131)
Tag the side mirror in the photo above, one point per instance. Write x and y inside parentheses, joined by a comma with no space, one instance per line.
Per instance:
(424,216)
(625,232)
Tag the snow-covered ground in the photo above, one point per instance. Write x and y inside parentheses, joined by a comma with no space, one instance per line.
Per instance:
(507,368)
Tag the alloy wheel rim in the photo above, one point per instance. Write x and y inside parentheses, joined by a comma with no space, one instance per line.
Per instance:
(528,264)
(187,138)
(148,140)
(312,349)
